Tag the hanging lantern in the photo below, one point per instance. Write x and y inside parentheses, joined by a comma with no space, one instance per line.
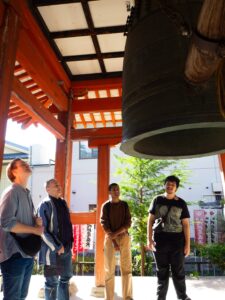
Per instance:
(165,116)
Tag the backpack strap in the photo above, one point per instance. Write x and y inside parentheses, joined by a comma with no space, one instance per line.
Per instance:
(166,215)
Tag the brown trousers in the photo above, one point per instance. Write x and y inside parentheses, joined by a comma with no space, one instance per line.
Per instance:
(123,242)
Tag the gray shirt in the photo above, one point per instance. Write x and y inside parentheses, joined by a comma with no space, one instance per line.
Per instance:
(15,206)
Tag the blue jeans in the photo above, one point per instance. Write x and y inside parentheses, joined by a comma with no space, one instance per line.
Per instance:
(57,285)
(16,274)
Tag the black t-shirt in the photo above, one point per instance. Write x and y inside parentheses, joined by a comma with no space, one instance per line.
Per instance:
(173,230)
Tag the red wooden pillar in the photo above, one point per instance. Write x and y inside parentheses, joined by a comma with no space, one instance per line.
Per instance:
(222,168)
(63,158)
(102,196)
(9,30)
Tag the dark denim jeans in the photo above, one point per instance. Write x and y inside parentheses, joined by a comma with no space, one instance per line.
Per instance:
(167,258)
(57,285)
(16,274)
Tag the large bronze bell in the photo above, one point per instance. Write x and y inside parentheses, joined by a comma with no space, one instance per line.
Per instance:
(164,116)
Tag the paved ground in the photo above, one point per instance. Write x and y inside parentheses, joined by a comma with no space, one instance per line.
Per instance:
(204,288)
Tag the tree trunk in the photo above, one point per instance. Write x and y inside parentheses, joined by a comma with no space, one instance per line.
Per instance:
(203,59)
(142,260)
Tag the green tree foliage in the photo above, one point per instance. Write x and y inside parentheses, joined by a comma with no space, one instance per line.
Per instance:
(141,180)
(215,253)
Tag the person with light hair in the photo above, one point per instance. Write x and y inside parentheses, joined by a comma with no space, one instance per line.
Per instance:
(17,221)
(55,254)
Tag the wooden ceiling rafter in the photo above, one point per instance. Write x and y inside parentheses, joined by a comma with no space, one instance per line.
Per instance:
(39,94)
(97,104)
(29,83)
(28,102)
(89,123)
(41,61)
(22,118)
(55,2)
(92,56)
(93,120)
(22,115)
(83,121)
(27,123)
(111,113)
(32,31)
(47,103)
(90,113)
(13,108)
(99,76)
(94,38)
(86,32)
(41,73)
(101,113)
(36,87)
(113,118)
(18,68)
(19,113)
(23,76)
(93,32)
(53,45)
(90,105)
(43,99)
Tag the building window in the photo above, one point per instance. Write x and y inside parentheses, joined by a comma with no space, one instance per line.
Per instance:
(87,153)
(92,207)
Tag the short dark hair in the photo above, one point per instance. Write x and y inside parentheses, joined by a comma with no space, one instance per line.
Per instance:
(172,178)
(112,185)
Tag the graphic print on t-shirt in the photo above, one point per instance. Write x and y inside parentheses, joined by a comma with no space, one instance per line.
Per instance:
(173,221)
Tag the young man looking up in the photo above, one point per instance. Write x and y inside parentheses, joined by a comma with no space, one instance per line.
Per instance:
(55,252)
(16,216)
(116,220)
(172,243)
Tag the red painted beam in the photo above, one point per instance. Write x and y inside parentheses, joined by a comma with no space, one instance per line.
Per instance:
(36,65)
(102,196)
(98,84)
(111,141)
(94,105)
(86,134)
(40,41)
(83,218)
(63,157)
(2,11)
(24,99)
(97,105)
(9,32)
(38,59)
(222,165)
